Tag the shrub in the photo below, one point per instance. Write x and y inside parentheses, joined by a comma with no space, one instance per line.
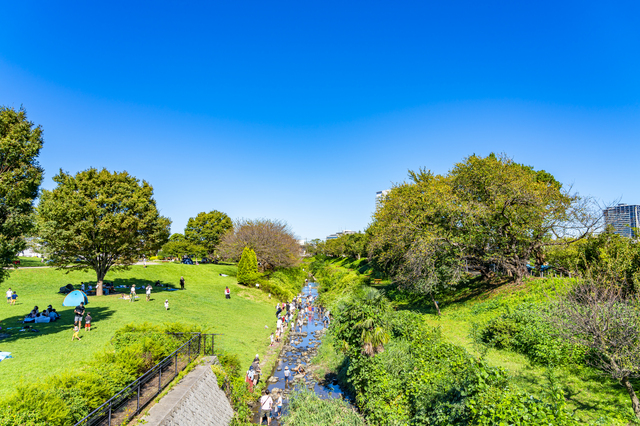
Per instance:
(525,330)
(248,267)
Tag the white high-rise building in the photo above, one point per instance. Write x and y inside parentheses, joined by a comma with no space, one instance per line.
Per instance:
(380,196)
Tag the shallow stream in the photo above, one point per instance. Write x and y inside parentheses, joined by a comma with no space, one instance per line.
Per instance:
(299,348)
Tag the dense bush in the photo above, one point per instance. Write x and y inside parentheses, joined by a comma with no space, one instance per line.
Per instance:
(248,267)
(524,329)
(64,399)
(284,283)
(335,283)
(421,379)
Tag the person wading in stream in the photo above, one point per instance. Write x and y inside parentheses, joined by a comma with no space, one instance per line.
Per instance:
(266,402)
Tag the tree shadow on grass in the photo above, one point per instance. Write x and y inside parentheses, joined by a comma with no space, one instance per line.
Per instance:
(123,285)
(12,325)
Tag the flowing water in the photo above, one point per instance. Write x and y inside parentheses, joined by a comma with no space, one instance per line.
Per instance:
(299,348)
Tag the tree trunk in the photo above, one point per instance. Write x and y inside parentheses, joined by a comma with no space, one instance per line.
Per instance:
(99,290)
(435,304)
(635,403)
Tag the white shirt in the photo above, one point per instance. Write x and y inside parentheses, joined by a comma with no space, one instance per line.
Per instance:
(9,293)
(266,402)
(133,289)
(148,290)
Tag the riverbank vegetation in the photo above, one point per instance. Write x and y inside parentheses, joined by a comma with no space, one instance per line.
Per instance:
(496,330)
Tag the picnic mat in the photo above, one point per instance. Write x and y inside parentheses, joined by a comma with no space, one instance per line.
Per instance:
(5,355)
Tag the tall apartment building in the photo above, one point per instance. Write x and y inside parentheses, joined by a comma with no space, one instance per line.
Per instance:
(623,218)
(339,234)
(380,195)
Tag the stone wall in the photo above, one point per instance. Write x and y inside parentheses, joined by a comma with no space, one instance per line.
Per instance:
(195,401)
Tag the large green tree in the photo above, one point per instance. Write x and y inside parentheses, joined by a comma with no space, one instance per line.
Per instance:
(100,220)
(491,213)
(20,177)
(207,229)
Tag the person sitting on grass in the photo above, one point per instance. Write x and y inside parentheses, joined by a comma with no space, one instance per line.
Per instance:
(54,315)
(43,317)
(87,322)
(76,330)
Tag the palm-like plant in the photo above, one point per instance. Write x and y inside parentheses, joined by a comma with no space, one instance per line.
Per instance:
(363,323)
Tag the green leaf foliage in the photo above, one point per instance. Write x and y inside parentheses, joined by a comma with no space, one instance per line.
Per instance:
(248,267)
(207,229)
(100,220)
(20,178)
(525,329)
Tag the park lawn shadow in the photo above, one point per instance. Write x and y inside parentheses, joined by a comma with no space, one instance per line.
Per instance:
(65,322)
(128,282)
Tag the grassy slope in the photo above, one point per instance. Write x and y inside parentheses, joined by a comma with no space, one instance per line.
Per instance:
(592,397)
(242,319)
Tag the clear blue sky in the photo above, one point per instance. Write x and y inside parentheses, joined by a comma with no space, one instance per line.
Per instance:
(301,111)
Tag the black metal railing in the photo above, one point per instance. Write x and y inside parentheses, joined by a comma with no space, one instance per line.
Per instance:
(127,403)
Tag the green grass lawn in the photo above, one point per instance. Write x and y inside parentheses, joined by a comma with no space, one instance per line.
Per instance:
(242,319)
(28,262)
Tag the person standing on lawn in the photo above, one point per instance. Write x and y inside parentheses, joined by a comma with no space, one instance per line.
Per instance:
(181,283)
(132,294)
(227,293)
(148,292)
(9,294)
(79,313)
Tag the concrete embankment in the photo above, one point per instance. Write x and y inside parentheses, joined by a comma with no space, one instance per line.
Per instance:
(195,401)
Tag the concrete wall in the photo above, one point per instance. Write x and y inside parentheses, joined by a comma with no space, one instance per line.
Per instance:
(195,401)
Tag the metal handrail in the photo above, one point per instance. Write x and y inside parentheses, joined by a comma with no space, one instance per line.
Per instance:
(137,382)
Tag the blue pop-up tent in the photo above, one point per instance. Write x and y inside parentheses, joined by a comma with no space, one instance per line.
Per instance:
(74,298)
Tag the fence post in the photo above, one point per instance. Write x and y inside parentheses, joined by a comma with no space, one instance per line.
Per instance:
(213,340)
(138,403)
(159,378)
(176,362)
(109,413)
(189,351)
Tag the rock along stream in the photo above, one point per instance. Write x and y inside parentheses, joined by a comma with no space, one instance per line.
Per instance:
(299,348)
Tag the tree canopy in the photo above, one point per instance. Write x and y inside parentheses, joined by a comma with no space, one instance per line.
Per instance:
(490,213)
(20,178)
(100,220)
(272,240)
(207,229)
